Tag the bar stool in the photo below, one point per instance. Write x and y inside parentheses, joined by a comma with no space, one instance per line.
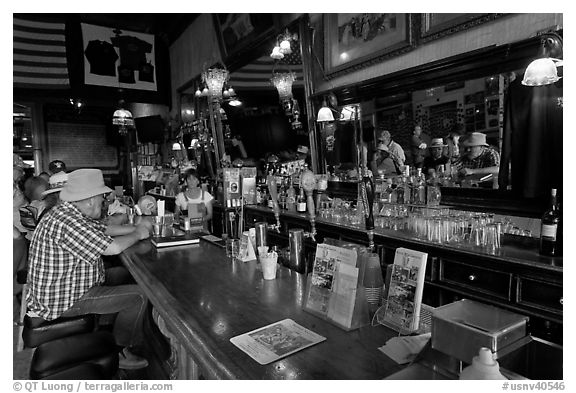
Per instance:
(66,348)
(66,343)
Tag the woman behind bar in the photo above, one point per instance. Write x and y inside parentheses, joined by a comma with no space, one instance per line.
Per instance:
(193,194)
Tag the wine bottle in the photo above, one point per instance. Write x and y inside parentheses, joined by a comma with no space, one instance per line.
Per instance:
(549,239)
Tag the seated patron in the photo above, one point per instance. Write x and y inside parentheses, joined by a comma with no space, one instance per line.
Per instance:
(478,158)
(436,157)
(389,157)
(66,272)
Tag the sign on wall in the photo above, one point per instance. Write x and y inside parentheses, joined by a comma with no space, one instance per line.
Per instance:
(118,58)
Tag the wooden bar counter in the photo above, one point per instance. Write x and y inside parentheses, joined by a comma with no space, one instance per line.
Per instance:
(206,298)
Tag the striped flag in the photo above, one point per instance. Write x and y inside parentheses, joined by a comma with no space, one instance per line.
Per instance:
(39,54)
(257,74)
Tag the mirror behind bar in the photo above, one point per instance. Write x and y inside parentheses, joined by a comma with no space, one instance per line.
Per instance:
(376,95)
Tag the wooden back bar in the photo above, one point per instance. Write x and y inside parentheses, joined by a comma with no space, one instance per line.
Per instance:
(206,299)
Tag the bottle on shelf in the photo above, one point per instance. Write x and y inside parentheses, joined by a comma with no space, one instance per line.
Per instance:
(301,201)
(549,233)
(282,195)
(418,186)
(433,194)
(291,196)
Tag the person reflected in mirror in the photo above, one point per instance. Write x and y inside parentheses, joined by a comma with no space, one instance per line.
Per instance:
(389,157)
(436,157)
(478,158)
(418,144)
(452,148)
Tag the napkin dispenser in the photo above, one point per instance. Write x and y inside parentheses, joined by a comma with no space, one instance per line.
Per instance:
(461,328)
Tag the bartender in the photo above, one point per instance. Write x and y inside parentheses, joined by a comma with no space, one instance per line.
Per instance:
(478,157)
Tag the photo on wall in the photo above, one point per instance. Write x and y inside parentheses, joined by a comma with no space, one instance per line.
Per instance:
(118,58)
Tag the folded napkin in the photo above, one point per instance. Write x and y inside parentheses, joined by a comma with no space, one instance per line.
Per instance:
(404,349)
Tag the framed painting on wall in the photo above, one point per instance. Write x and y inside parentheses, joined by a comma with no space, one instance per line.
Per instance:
(434,26)
(353,41)
(236,32)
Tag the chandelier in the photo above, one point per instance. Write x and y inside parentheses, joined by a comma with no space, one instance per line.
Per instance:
(283,83)
(214,78)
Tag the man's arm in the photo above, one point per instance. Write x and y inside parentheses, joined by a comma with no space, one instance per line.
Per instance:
(119,230)
(480,171)
(122,242)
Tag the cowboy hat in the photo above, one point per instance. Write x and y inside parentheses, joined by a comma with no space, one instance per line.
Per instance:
(56,183)
(83,184)
(437,142)
(475,139)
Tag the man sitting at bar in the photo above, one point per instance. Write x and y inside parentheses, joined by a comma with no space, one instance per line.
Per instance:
(389,157)
(436,157)
(478,158)
(66,272)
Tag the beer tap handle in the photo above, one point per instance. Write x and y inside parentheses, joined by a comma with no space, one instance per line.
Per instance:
(308,182)
(271,181)
(367,194)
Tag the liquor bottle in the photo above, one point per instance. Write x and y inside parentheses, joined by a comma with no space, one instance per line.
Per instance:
(301,201)
(419,188)
(549,234)
(401,191)
(291,196)
(433,194)
(282,195)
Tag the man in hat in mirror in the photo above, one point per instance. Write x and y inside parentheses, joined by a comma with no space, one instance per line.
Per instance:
(478,157)
(436,157)
(66,272)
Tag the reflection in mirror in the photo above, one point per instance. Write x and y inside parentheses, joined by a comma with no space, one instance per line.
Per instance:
(269,120)
(462,131)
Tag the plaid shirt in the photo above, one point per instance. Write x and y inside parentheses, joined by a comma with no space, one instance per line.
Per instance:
(65,260)
(488,157)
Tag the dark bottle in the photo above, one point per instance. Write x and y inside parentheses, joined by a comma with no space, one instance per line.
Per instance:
(549,233)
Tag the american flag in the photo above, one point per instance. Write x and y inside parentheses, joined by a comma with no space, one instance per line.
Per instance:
(39,54)
(258,73)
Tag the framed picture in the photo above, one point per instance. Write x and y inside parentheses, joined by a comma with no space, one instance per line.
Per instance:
(238,31)
(434,26)
(353,41)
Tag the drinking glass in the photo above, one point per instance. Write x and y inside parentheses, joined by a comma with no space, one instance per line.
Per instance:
(477,234)
(492,238)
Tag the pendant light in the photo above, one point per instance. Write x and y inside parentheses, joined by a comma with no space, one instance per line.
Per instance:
(544,70)
(325,113)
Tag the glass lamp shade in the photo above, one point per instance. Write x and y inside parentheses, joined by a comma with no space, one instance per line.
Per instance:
(204,92)
(325,114)
(276,54)
(541,72)
(198,93)
(123,118)
(176,146)
(285,47)
(283,83)
(215,79)
(235,102)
